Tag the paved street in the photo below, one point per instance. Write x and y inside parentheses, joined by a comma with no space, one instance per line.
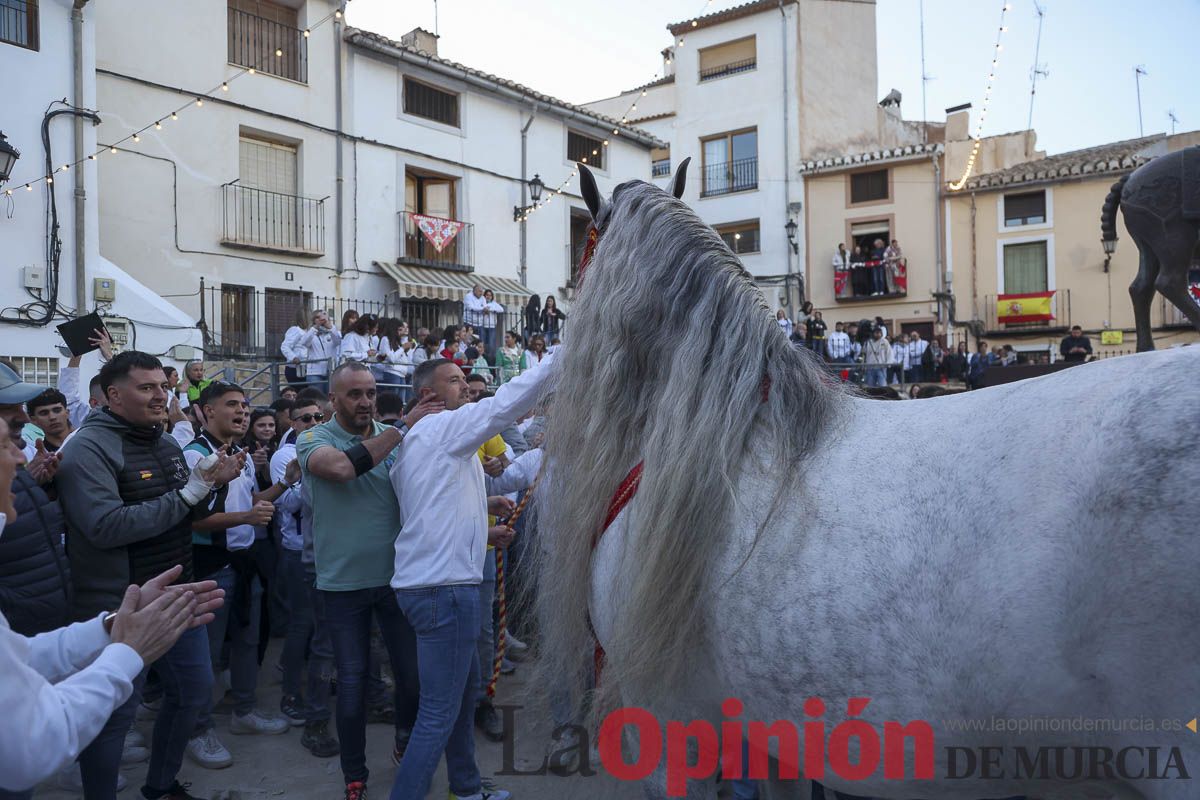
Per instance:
(277,766)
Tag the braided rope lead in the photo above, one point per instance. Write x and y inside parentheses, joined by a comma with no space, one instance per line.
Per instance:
(501,594)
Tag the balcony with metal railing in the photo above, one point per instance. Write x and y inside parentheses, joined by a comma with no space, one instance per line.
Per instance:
(264,220)
(428,241)
(660,168)
(730,176)
(267,46)
(733,68)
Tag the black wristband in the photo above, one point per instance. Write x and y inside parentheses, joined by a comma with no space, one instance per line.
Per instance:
(361,459)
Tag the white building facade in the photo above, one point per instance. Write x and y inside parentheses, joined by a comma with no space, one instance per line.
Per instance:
(51,266)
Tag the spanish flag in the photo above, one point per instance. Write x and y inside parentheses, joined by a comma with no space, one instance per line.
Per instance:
(1033,307)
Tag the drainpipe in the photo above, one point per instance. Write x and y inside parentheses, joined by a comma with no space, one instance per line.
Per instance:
(80,183)
(337,95)
(787,163)
(524,189)
(939,245)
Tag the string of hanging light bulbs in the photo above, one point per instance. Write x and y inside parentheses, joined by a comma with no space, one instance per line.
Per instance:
(987,97)
(135,137)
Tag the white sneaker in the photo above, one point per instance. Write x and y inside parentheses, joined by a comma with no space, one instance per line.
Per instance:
(258,722)
(133,753)
(69,779)
(207,751)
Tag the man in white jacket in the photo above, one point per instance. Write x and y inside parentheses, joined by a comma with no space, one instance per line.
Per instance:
(60,687)
(439,565)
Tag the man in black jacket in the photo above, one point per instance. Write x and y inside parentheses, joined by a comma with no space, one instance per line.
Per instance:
(129,502)
(34,581)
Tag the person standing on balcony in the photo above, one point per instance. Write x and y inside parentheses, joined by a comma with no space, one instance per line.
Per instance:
(474,305)
(860,274)
(293,351)
(878,284)
(894,263)
(841,267)
(551,318)
(321,342)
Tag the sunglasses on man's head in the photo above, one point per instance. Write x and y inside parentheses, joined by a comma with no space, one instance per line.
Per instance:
(306,418)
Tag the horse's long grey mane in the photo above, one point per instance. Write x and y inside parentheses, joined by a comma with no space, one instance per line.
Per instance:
(670,343)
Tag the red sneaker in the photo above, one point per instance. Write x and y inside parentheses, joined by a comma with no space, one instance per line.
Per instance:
(356,790)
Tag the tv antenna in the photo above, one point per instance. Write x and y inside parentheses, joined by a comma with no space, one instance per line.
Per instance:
(1174,120)
(1138,72)
(1038,70)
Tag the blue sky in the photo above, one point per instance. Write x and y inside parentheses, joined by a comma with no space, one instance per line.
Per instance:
(583,51)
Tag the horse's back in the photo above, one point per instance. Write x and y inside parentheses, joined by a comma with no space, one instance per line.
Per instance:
(1021,550)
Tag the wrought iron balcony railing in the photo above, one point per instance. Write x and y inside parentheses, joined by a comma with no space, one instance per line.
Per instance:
(267,46)
(442,246)
(272,221)
(733,68)
(730,176)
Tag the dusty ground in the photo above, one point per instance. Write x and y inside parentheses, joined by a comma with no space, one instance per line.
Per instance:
(269,767)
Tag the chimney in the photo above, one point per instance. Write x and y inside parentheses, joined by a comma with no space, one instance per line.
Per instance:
(421,40)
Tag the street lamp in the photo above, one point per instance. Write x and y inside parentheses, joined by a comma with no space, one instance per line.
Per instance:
(8,157)
(535,194)
(1109,243)
(791,234)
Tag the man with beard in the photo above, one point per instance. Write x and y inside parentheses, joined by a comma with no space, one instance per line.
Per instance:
(229,546)
(355,522)
(129,501)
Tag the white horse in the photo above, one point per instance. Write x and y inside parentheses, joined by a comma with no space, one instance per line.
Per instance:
(1039,568)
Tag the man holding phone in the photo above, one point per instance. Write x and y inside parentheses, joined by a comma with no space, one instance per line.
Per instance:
(322,341)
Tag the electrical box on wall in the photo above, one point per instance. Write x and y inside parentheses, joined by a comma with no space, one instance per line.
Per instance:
(118,329)
(34,277)
(104,290)
(183,352)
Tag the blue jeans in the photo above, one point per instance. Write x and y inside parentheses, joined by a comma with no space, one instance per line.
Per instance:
(243,644)
(100,761)
(876,376)
(446,621)
(306,637)
(348,618)
(878,282)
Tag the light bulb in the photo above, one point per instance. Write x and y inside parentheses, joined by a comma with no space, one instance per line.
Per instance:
(999,47)
(174,115)
(307,33)
(92,157)
(66,167)
(225,86)
(199,102)
(1004,29)
(278,52)
(643,92)
(158,125)
(49,179)
(112,149)
(605,144)
(584,159)
(251,70)
(29,187)
(595,152)
(337,14)
(8,192)
(616,132)
(680,43)
(633,107)
(136,138)
(694,23)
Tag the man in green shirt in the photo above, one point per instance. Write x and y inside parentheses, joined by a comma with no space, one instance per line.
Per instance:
(356,519)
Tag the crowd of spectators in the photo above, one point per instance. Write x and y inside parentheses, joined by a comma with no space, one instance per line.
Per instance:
(173,529)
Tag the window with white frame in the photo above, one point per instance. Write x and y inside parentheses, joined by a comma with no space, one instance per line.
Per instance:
(1026,268)
(1026,208)
(40,370)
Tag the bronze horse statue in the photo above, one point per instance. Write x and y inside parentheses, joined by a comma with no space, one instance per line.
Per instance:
(1161,204)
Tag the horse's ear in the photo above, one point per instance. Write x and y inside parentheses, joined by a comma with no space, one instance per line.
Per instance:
(680,180)
(590,191)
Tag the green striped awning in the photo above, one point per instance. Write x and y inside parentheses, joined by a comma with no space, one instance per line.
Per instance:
(426,283)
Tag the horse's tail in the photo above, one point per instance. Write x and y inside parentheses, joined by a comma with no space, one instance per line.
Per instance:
(1108,213)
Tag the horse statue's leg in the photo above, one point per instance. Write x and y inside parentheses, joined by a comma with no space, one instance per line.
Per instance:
(1141,292)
